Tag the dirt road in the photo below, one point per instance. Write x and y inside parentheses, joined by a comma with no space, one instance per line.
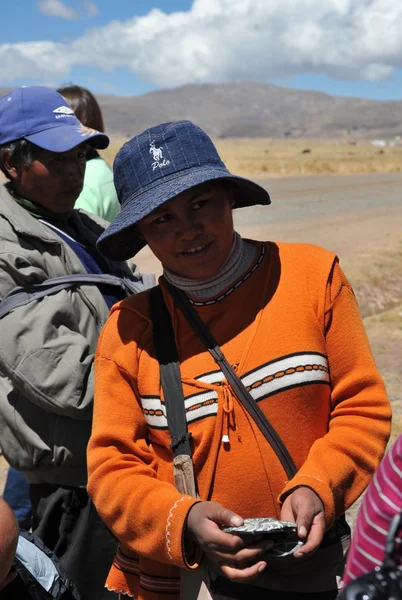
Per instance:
(346,214)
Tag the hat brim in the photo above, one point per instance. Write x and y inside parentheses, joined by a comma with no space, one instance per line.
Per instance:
(121,240)
(65,137)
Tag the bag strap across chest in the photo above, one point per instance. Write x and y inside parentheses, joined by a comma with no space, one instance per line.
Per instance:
(165,346)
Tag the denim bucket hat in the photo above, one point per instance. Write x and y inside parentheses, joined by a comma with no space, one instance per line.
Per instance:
(154,167)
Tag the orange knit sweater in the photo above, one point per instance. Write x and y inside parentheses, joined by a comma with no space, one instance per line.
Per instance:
(291,328)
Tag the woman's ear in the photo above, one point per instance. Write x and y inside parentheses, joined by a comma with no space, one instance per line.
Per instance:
(11,169)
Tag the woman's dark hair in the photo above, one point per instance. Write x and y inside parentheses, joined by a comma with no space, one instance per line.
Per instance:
(85,106)
(21,152)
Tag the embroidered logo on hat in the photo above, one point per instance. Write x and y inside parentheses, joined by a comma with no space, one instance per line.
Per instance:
(63,111)
(159,161)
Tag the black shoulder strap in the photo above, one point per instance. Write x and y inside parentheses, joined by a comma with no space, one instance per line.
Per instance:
(181,300)
(21,296)
(166,353)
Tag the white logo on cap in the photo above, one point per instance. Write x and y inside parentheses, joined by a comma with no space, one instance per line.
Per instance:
(63,111)
(159,161)
(66,110)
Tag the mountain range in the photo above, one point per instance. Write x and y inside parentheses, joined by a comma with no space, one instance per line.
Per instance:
(254,110)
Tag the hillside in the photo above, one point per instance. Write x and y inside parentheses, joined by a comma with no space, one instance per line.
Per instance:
(255,110)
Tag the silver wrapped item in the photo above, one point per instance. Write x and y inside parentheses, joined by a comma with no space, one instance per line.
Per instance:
(283,534)
(263,525)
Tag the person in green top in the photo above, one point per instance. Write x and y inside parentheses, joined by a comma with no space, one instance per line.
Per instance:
(98,195)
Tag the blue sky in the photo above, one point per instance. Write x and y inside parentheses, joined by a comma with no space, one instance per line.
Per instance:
(36,26)
(126,47)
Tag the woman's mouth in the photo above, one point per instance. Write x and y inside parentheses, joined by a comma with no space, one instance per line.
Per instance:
(196,250)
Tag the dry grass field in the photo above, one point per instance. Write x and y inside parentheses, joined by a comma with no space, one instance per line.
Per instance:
(263,157)
(376,277)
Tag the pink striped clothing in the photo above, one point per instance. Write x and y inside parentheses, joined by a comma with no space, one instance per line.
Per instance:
(382,500)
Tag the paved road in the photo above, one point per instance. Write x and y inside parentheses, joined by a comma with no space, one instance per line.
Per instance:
(346,214)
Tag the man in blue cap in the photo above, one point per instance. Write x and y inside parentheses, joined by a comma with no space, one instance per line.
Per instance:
(61,289)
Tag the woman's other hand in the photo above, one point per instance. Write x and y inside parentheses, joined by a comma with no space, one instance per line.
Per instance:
(237,560)
(306,509)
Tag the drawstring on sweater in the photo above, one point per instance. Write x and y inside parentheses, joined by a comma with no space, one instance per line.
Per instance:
(228,413)
(228,409)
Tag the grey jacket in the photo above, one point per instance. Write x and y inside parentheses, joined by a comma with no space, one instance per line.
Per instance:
(47,348)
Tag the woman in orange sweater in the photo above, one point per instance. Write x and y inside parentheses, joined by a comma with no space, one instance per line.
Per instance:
(286,319)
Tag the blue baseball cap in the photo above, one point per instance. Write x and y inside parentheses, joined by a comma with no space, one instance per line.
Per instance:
(42,116)
(157,165)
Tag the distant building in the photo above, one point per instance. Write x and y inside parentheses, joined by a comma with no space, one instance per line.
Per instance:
(378,143)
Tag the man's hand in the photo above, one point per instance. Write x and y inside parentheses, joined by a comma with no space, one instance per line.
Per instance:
(237,561)
(306,509)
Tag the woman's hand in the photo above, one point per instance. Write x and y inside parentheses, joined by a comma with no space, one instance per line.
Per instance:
(306,509)
(237,561)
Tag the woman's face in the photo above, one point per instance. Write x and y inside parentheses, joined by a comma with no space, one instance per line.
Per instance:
(192,233)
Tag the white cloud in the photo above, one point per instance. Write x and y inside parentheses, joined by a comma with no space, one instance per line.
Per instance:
(91,8)
(30,59)
(231,40)
(56,8)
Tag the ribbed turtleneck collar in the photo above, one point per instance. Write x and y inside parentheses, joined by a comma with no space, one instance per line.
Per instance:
(239,260)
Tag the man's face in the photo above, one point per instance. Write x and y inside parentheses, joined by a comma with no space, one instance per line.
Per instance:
(54,180)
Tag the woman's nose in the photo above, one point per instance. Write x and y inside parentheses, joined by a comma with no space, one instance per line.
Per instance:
(190,228)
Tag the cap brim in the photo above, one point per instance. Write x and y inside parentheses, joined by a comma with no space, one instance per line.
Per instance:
(121,240)
(66,137)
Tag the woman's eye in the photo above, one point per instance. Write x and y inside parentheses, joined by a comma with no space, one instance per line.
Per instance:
(163,219)
(200,202)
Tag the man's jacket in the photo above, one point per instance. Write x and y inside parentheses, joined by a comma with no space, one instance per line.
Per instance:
(47,348)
